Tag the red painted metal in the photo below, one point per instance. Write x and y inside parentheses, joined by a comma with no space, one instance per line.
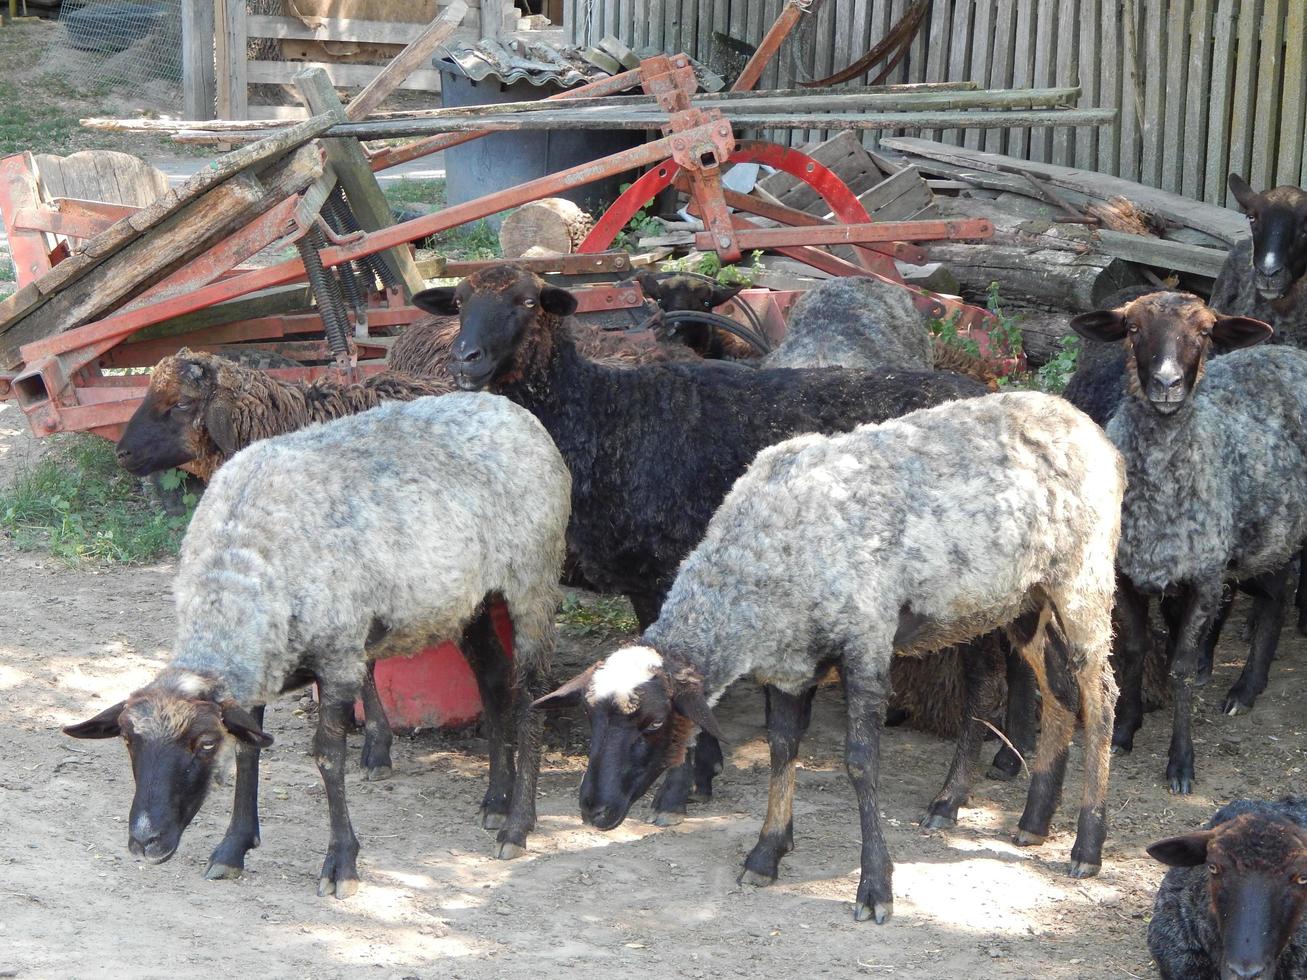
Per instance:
(770,44)
(57,223)
(593,299)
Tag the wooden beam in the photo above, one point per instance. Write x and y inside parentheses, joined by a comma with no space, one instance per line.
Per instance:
(341,75)
(230,55)
(198,79)
(355,175)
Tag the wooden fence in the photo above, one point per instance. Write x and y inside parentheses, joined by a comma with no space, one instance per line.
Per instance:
(1205,87)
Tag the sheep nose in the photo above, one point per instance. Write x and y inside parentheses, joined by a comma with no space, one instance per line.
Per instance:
(1247,971)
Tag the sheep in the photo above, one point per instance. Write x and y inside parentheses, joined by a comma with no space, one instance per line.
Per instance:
(897,538)
(855,321)
(200,409)
(1231,907)
(314,553)
(685,292)
(1265,276)
(652,449)
(1217,491)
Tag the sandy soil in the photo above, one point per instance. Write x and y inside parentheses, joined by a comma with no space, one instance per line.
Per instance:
(74,903)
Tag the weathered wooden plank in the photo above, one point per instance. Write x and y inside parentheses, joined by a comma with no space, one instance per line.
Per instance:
(268,302)
(1023,68)
(347,159)
(1110,71)
(1293,102)
(1193,149)
(1002,68)
(1177,95)
(331,29)
(1224,223)
(1267,112)
(1088,56)
(404,65)
(959,51)
(230,58)
(981,50)
(1132,93)
(1066,67)
(1163,254)
(1245,88)
(342,75)
(101,175)
(1153,122)
(198,80)
(1218,110)
(1045,42)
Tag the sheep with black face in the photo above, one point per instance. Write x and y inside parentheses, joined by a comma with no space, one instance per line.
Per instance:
(848,549)
(1231,907)
(1217,460)
(290,575)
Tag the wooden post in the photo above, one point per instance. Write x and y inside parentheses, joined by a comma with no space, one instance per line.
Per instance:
(230,42)
(197,59)
(417,54)
(355,175)
(493,15)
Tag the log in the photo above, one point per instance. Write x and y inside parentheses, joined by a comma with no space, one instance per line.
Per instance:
(552,223)
(417,54)
(1041,335)
(1034,275)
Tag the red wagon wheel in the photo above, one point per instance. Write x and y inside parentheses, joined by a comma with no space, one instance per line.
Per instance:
(843,203)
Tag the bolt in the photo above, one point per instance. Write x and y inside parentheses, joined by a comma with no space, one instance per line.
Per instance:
(724,241)
(724,131)
(679,144)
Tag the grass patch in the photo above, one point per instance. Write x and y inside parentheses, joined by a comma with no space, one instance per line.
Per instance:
(8,277)
(79,505)
(25,126)
(409,191)
(598,616)
(468,242)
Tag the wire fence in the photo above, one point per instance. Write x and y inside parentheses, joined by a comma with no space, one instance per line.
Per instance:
(103,44)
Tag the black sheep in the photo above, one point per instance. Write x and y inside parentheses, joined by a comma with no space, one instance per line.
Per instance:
(653,450)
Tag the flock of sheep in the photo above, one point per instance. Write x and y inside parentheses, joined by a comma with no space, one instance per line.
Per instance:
(840,502)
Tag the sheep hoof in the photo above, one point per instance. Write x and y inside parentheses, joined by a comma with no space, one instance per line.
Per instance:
(748,877)
(938,821)
(1182,785)
(879,913)
(377,773)
(341,888)
(1232,707)
(222,872)
(507,850)
(1027,838)
(1121,749)
(667,818)
(1083,869)
(491,820)
(700,796)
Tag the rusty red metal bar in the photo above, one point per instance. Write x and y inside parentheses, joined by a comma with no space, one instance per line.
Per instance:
(770,44)
(876,231)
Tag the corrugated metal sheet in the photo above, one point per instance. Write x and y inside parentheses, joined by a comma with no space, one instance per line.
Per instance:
(537,63)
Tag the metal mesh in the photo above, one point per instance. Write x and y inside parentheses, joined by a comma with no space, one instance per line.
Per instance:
(112,43)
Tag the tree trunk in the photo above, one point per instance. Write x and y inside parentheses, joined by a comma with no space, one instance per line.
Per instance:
(553,223)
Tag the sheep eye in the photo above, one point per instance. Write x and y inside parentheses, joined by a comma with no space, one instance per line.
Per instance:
(652,727)
(1214,869)
(1300,880)
(208,745)
(707,304)
(530,304)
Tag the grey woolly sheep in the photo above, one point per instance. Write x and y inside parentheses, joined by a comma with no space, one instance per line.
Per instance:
(312,554)
(1232,904)
(855,321)
(1217,461)
(897,538)
(1265,275)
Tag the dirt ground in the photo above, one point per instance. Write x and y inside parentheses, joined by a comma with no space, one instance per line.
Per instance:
(74,903)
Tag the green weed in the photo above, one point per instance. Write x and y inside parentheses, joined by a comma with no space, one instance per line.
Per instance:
(78,504)
(600,616)
(708,264)
(41,129)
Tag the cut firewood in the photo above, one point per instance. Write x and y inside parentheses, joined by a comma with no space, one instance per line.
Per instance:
(553,223)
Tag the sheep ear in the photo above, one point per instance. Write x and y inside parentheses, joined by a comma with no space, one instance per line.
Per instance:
(103,725)
(1105,325)
(440,301)
(220,425)
(1182,852)
(569,694)
(1233,332)
(558,301)
(690,702)
(1241,191)
(650,285)
(720,294)
(241,724)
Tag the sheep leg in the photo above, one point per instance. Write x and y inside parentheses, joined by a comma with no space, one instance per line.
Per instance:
(1196,608)
(340,874)
(529,731)
(980,672)
(494,676)
(1270,593)
(228,858)
(1019,719)
(865,692)
(1300,596)
(1133,642)
(788,716)
(1095,685)
(1039,644)
(377,736)
(708,762)
(1205,662)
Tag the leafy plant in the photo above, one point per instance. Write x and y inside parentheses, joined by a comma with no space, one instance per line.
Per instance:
(600,616)
(80,506)
(1004,334)
(1055,374)
(947,332)
(642,225)
(708,264)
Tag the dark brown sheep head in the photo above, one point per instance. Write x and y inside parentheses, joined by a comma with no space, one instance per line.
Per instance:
(175,729)
(178,422)
(1256,886)
(1278,220)
(1167,339)
(677,293)
(641,715)
(509,321)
